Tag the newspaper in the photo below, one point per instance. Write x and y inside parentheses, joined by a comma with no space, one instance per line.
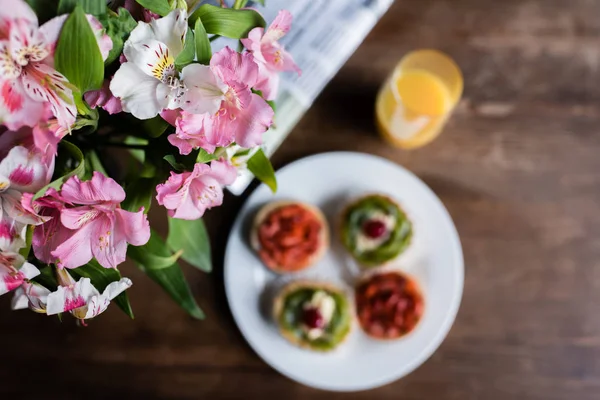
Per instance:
(324,35)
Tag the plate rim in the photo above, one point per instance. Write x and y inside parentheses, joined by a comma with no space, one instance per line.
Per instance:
(433,344)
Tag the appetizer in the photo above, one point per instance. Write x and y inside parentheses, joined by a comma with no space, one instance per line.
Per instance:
(313,315)
(289,236)
(375,230)
(389,305)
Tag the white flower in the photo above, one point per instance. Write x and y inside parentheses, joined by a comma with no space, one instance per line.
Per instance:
(148,82)
(81,298)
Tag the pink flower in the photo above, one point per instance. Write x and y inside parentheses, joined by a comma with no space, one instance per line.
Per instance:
(28,81)
(189,194)
(102,228)
(103,98)
(14,271)
(270,55)
(227,110)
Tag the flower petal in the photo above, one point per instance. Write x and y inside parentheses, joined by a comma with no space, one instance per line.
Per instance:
(31,295)
(205,91)
(253,42)
(19,300)
(108,248)
(27,43)
(99,304)
(77,249)
(152,58)
(75,218)
(25,170)
(229,65)
(140,94)
(72,298)
(16,9)
(10,277)
(17,109)
(44,84)
(223,172)
(132,226)
(170,30)
(280,26)
(12,236)
(248,124)
(9,69)
(99,189)
(104,98)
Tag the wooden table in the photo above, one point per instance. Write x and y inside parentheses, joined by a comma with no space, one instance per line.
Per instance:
(518,167)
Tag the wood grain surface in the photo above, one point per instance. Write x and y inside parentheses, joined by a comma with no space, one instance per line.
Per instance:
(518,167)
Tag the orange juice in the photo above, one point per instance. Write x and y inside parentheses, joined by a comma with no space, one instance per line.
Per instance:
(417,99)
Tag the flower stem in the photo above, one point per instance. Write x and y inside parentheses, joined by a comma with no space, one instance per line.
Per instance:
(239,4)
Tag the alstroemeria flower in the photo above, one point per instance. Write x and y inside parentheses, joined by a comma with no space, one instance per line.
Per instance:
(190,194)
(225,87)
(21,171)
(81,298)
(270,55)
(14,270)
(102,228)
(28,81)
(148,82)
(104,98)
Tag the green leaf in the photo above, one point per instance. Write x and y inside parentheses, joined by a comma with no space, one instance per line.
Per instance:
(177,166)
(101,277)
(186,57)
(118,27)
(171,279)
(161,7)
(203,50)
(192,238)
(155,126)
(139,194)
(150,254)
(227,22)
(204,156)
(77,53)
(262,169)
(74,154)
(93,163)
(94,7)
(138,154)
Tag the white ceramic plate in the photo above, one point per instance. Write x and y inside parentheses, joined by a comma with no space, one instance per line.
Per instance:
(434,259)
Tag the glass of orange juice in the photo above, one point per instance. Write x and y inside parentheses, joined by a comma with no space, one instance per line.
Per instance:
(417,99)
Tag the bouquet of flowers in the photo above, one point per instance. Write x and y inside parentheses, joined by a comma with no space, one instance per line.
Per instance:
(105,105)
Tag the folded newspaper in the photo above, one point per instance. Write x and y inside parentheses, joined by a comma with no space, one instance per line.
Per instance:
(324,35)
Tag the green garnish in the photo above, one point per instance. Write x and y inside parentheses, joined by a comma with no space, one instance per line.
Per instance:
(336,330)
(359,213)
